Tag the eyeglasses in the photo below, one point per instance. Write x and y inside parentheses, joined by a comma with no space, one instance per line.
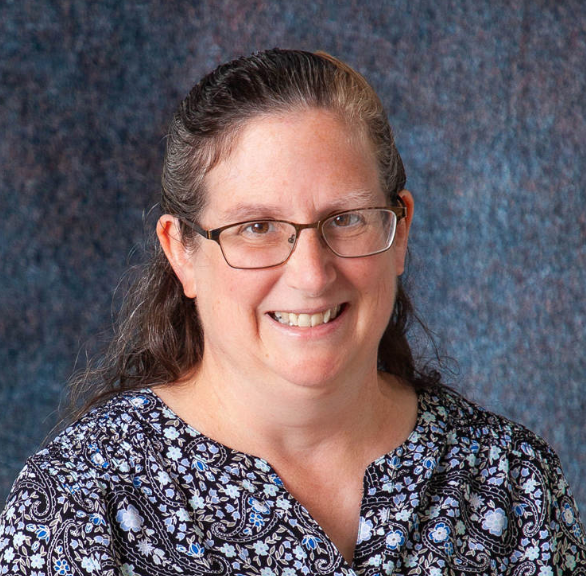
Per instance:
(258,244)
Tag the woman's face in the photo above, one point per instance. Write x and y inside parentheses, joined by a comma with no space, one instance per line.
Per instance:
(299,167)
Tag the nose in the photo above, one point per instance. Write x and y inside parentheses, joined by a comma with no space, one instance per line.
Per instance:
(311,266)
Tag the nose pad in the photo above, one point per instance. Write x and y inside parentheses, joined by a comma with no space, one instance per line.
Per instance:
(291,239)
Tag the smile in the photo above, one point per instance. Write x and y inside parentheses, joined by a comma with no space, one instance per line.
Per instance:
(306,320)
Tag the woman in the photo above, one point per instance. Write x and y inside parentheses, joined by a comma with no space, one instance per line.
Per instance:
(260,411)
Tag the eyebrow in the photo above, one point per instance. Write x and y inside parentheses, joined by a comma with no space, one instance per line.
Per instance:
(243,211)
(360,198)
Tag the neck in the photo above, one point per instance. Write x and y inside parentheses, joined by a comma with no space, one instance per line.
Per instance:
(276,419)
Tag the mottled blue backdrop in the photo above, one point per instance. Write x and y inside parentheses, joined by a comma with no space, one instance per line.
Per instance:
(487,100)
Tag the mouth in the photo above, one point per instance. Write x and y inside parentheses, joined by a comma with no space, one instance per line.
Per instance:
(308,320)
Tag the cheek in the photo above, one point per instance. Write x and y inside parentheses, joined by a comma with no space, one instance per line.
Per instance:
(376,277)
(377,286)
(231,299)
(384,296)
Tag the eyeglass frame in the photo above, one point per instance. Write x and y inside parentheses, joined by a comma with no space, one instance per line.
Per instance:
(400,212)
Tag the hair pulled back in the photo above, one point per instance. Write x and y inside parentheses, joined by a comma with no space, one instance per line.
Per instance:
(159,337)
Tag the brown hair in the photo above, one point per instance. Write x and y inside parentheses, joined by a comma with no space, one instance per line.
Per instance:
(159,336)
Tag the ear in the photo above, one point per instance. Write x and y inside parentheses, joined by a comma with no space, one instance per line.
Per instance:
(402,233)
(169,234)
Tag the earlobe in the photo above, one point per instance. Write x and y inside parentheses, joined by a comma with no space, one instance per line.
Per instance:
(169,235)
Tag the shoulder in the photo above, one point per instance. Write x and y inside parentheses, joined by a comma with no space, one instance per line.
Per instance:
(102,442)
(508,479)
(61,495)
(504,453)
(471,425)
(84,458)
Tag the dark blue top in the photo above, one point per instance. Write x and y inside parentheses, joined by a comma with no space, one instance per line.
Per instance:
(131,489)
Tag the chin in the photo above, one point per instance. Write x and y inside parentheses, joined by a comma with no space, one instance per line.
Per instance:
(312,372)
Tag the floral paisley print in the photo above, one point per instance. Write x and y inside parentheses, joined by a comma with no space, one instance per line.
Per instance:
(132,490)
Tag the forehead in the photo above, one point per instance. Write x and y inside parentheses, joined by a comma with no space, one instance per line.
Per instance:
(287,163)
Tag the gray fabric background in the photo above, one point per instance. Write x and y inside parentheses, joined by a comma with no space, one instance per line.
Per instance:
(487,101)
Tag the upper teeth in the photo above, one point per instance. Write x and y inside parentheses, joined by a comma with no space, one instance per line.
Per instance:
(307,320)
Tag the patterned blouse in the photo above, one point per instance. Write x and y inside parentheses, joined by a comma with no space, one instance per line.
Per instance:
(132,490)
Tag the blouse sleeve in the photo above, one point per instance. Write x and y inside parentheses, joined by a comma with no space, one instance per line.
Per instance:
(54,523)
(552,540)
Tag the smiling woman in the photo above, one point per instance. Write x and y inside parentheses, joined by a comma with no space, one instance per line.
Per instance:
(259,411)
(320,163)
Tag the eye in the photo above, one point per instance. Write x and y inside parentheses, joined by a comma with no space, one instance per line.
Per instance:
(347,219)
(257,228)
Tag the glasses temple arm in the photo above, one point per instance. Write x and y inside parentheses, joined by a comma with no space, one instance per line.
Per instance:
(196,228)
(400,210)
